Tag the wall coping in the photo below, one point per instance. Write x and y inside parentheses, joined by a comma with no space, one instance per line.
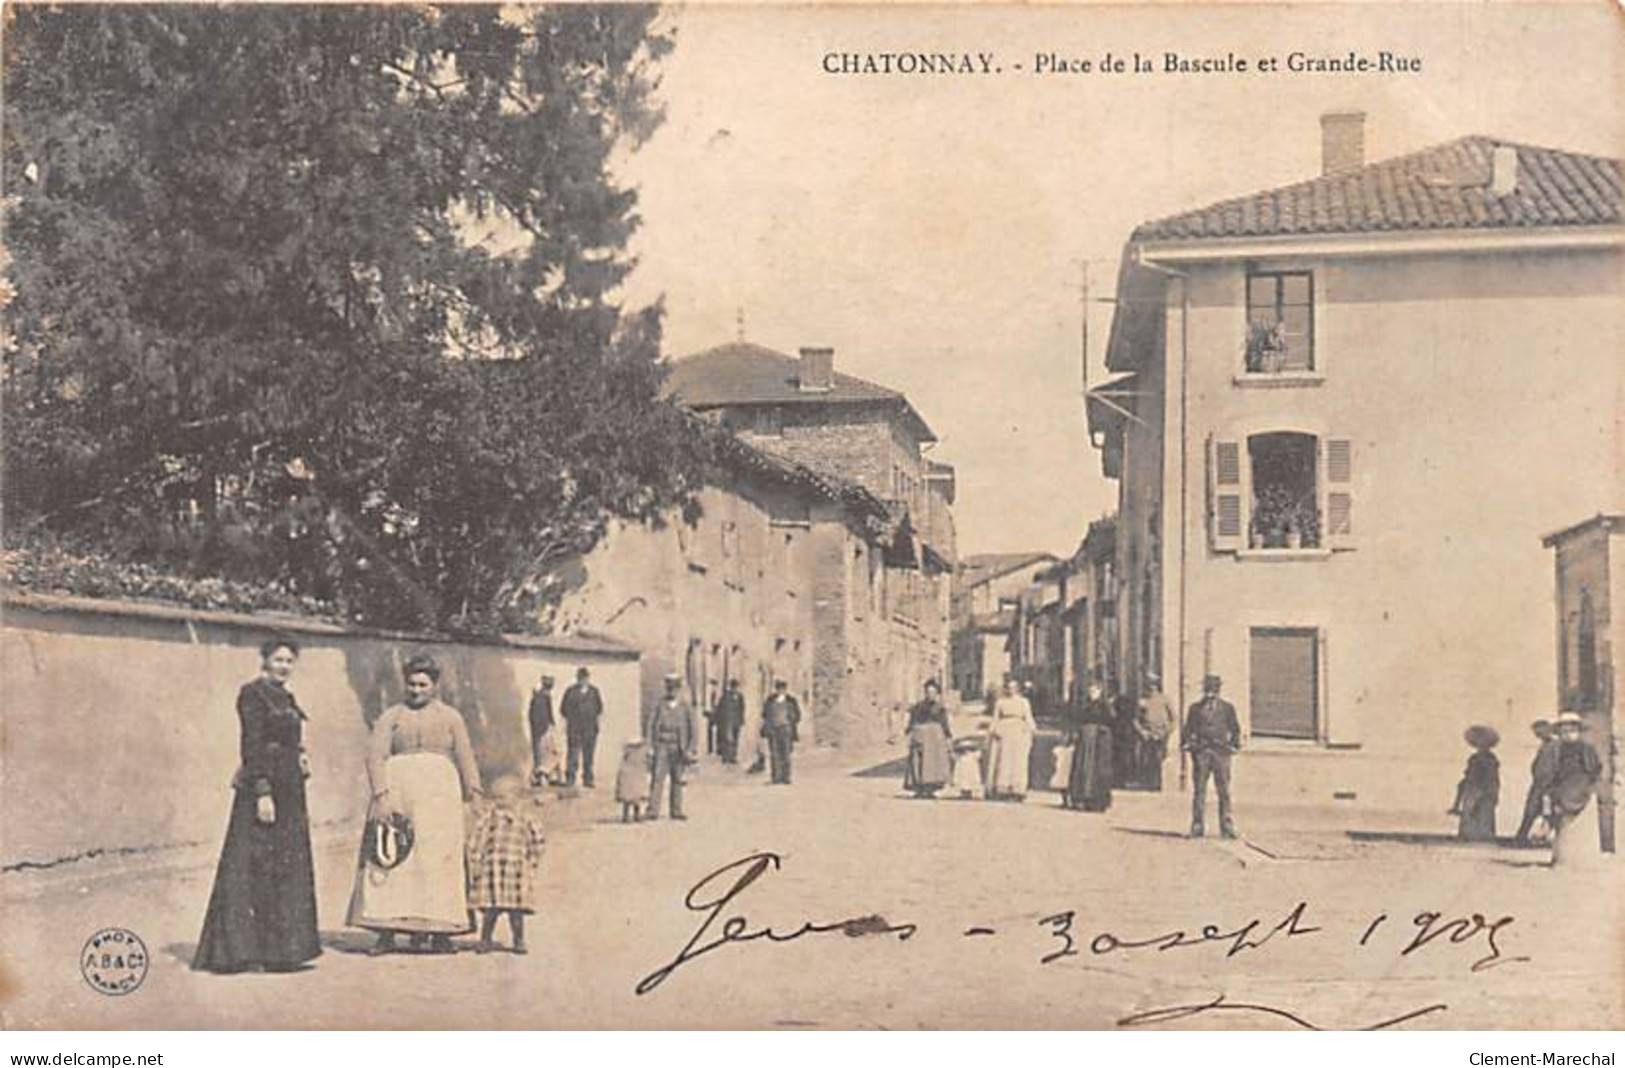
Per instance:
(52,603)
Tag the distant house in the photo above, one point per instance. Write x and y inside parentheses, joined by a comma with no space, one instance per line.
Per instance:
(874,597)
(1063,633)
(987,590)
(1342,413)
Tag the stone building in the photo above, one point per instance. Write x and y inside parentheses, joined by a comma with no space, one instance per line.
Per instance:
(1335,413)
(819,554)
(1590,634)
(987,588)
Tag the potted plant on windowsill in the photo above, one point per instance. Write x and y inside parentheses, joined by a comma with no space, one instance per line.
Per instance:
(1284,520)
(1266,348)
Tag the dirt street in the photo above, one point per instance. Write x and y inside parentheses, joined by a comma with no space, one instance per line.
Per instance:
(1304,926)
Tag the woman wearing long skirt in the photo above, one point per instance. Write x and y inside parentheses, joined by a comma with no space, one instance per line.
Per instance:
(262,912)
(1576,841)
(1480,788)
(929,738)
(421,767)
(1010,745)
(1089,784)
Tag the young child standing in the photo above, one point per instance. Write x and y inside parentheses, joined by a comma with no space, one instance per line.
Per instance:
(632,780)
(504,855)
(967,774)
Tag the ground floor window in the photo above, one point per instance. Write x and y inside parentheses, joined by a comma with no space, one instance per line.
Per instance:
(1285,682)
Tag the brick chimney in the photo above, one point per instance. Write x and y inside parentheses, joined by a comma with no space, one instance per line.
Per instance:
(1503,170)
(1342,141)
(817,370)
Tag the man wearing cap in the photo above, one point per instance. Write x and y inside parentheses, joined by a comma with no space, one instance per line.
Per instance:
(581,708)
(1541,771)
(1153,723)
(540,715)
(781,721)
(1211,734)
(730,719)
(669,727)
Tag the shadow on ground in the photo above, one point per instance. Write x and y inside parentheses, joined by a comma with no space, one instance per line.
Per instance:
(891,769)
(1435,838)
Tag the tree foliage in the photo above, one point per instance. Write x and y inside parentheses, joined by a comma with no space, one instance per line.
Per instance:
(326,296)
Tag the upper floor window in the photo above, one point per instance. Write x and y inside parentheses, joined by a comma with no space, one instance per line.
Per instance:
(1280,322)
(768,420)
(1281,490)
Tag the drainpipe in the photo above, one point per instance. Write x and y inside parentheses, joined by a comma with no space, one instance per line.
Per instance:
(1184,477)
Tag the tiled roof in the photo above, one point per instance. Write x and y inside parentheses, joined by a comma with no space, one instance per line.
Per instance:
(1445,187)
(981,567)
(742,373)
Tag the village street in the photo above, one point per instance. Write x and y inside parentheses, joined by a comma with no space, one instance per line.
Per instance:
(853,845)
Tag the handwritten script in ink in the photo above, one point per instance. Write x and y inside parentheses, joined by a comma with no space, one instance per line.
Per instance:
(717,899)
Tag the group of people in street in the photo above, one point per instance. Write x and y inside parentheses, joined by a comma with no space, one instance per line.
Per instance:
(996,765)
(581,709)
(654,763)
(1563,779)
(439,849)
(421,875)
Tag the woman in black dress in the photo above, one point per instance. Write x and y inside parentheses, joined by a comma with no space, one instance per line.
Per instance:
(263,909)
(1089,784)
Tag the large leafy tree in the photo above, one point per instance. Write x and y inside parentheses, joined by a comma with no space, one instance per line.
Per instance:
(326,295)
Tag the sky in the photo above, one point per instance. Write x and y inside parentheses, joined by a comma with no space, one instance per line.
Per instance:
(936,230)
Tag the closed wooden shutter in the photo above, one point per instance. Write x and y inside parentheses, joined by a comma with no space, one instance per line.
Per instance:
(1225,521)
(1339,493)
(1285,682)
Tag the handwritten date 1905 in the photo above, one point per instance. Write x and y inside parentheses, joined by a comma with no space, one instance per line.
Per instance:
(1430,927)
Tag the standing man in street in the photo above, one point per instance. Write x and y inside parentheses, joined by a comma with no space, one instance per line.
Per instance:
(544,756)
(1153,724)
(730,720)
(669,727)
(781,721)
(1541,772)
(1211,735)
(582,708)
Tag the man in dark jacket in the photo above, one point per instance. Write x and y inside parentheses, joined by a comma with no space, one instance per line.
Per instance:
(581,708)
(541,725)
(669,728)
(1211,734)
(730,720)
(1541,772)
(781,720)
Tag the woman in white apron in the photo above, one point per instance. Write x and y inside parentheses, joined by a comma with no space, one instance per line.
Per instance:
(421,767)
(1010,745)
(1576,840)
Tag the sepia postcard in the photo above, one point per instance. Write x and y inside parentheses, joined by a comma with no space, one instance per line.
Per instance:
(839,517)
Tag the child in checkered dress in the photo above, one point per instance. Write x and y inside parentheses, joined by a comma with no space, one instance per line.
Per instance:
(504,853)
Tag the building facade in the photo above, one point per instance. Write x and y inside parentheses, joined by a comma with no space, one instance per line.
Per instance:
(1590,634)
(1063,632)
(1334,412)
(774,576)
(821,553)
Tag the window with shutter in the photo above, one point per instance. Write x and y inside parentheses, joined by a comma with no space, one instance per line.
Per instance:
(1339,493)
(1225,524)
(1285,682)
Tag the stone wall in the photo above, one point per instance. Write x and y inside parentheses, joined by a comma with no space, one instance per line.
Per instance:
(121,731)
